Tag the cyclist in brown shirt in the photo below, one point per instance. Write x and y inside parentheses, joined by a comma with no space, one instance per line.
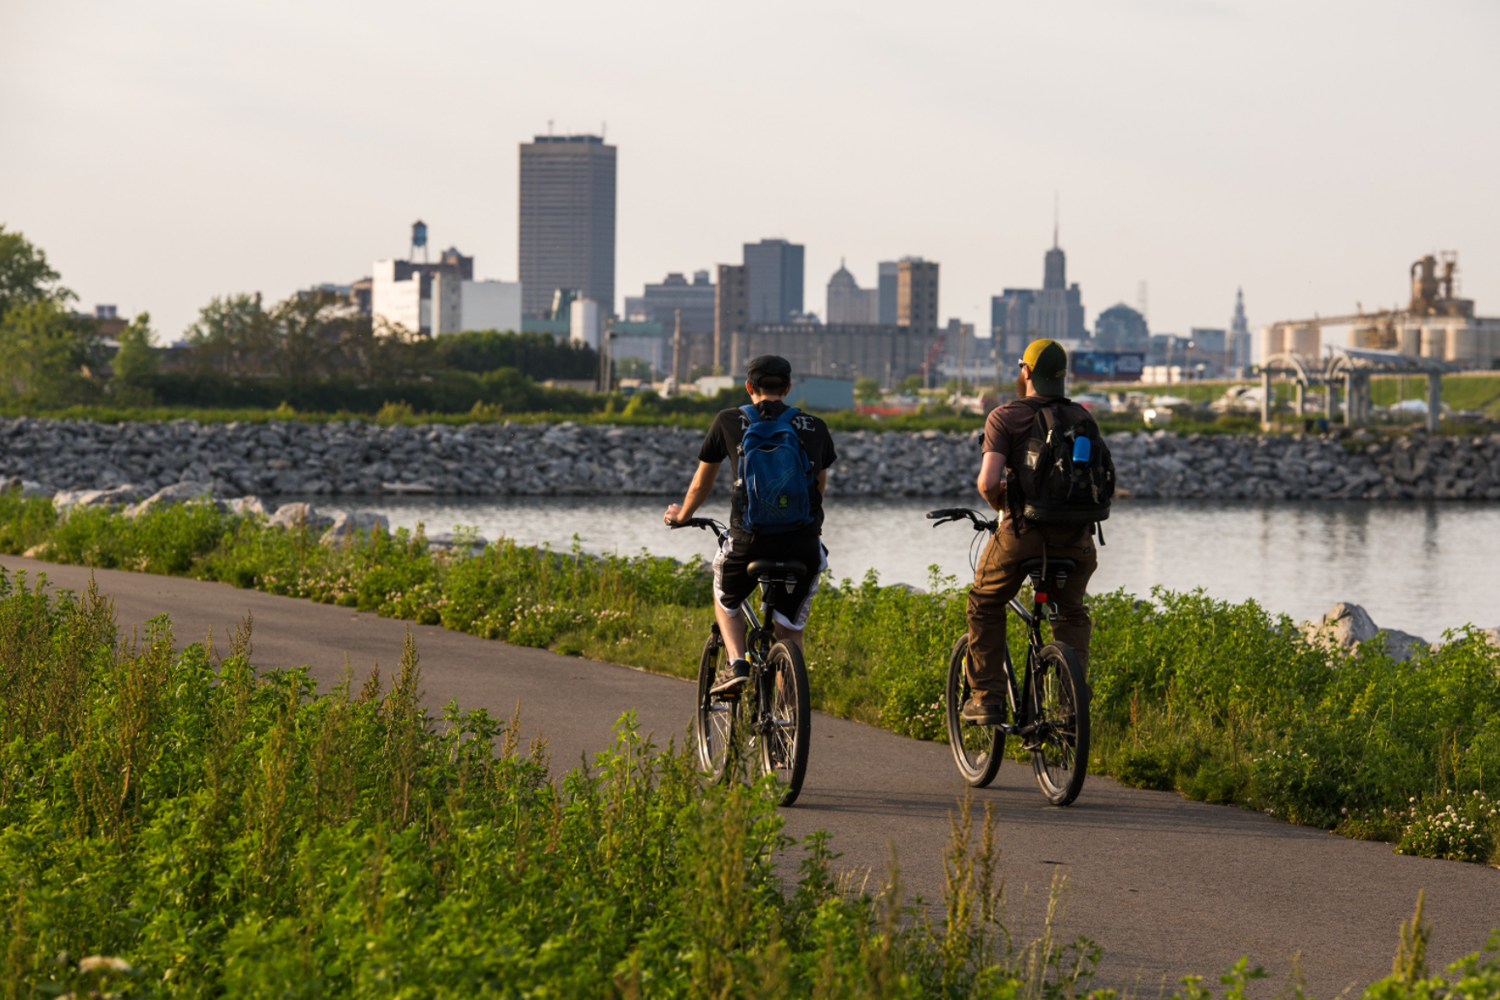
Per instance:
(1043,371)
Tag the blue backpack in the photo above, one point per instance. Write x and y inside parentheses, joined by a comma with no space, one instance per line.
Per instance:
(775,474)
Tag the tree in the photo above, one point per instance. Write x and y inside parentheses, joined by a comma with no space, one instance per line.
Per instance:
(638,368)
(25,275)
(134,364)
(912,384)
(866,388)
(42,351)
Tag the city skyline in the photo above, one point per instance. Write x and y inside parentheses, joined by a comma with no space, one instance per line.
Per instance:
(193,152)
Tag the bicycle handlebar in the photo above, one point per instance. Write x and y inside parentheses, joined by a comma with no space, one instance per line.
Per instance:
(947,514)
(699,522)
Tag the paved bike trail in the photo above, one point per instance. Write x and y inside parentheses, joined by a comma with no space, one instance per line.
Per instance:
(1166,886)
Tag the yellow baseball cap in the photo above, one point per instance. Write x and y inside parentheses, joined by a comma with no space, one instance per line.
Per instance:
(1049,366)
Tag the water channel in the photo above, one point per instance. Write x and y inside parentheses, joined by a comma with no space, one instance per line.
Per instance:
(1419,567)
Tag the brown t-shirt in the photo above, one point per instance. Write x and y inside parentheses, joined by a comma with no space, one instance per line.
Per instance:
(1006,431)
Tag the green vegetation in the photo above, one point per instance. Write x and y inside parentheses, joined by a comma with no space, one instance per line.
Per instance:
(1222,702)
(178,825)
(1480,393)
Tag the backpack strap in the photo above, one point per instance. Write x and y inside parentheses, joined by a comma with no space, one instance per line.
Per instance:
(751,412)
(787,414)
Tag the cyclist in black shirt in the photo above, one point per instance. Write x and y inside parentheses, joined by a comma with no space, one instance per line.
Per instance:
(769,380)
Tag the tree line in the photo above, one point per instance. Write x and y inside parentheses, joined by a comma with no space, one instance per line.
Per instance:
(313,351)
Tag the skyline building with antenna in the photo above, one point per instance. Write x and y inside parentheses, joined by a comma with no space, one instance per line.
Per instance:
(1058,305)
(1238,345)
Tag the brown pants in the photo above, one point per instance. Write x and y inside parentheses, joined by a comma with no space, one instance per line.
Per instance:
(998,580)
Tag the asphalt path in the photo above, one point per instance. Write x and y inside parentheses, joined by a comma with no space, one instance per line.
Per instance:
(1166,886)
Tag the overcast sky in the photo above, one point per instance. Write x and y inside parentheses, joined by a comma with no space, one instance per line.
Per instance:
(165,152)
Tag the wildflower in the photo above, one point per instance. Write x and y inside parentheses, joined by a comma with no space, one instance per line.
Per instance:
(104,963)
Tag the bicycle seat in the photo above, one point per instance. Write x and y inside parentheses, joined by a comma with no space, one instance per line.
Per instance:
(1029,567)
(776,569)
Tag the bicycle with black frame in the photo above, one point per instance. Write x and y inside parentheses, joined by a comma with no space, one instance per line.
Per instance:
(1047,709)
(770,717)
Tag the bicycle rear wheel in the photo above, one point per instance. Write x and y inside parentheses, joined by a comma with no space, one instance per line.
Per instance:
(714,726)
(977,750)
(1060,700)
(785,725)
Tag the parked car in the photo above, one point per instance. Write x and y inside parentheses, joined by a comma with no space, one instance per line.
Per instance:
(1094,402)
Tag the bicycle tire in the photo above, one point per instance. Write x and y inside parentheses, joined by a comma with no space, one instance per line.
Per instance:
(977,750)
(1060,711)
(785,724)
(716,719)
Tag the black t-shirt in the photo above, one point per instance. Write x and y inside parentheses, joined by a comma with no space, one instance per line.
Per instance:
(723,441)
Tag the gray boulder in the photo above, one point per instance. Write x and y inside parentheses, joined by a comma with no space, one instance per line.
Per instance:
(251,505)
(449,541)
(28,488)
(1346,626)
(167,495)
(346,523)
(299,515)
(68,499)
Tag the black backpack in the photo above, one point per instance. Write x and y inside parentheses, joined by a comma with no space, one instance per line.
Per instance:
(1065,474)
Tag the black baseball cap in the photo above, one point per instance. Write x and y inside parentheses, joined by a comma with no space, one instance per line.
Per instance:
(770,371)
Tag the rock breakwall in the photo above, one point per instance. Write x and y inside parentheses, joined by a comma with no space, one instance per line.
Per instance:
(496,459)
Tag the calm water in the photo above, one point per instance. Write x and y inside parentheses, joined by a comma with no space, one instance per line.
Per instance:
(1419,567)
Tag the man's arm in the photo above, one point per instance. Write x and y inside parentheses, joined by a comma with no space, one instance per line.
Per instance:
(823,482)
(991,481)
(697,492)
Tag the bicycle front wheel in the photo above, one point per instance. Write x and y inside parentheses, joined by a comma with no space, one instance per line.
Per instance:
(715,724)
(785,727)
(1060,716)
(977,750)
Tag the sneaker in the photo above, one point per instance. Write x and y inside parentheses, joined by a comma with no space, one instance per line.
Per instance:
(982,713)
(739,673)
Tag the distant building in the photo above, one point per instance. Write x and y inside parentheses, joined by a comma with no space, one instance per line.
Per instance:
(359,294)
(917,294)
(774,273)
(885,353)
(1059,306)
(586,320)
(1013,320)
(660,303)
(890,291)
(459,305)
(848,303)
(567,220)
(731,310)
(441,298)
(1238,347)
(1121,328)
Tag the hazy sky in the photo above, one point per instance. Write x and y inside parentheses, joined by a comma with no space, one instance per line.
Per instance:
(165,152)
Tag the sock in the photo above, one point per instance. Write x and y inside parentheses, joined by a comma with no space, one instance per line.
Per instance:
(739,663)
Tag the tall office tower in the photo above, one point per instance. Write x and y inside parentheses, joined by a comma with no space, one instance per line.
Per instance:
(850,305)
(917,294)
(1238,347)
(890,281)
(567,224)
(731,314)
(773,271)
(1059,306)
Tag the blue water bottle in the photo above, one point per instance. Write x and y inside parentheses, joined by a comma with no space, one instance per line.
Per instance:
(1081,451)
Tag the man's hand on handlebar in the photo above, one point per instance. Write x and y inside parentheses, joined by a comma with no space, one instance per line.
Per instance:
(673,515)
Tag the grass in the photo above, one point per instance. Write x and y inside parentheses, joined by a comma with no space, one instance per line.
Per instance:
(1221,702)
(176,824)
